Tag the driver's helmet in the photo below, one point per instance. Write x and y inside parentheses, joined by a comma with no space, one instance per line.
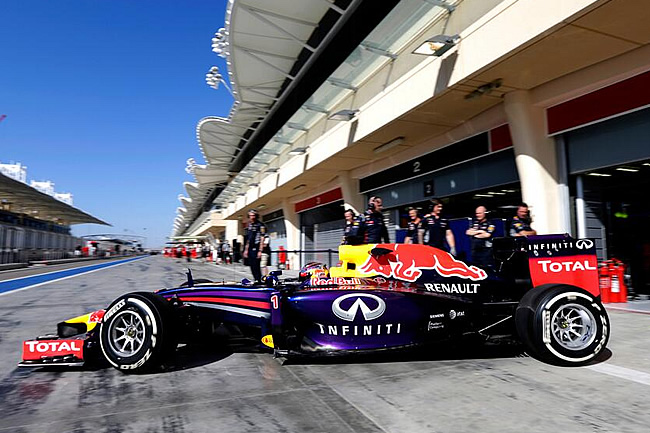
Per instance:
(313,270)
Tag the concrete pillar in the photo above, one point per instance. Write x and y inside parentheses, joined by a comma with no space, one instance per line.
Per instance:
(232,230)
(563,184)
(350,190)
(536,159)
(292,225)
(581,220)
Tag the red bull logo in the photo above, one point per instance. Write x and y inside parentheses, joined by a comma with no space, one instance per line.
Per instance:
(96,317)
(406,262)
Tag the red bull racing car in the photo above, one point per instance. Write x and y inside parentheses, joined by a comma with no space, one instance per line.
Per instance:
(542,291)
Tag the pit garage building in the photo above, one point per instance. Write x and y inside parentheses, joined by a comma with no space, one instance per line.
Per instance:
(473,101)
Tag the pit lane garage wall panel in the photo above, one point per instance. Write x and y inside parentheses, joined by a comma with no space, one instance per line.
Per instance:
(277,230)
(328,235)
(615,141)
(492,170)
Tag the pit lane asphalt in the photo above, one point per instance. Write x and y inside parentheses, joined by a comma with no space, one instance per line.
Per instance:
(33,277)
(41,269)
(486,390)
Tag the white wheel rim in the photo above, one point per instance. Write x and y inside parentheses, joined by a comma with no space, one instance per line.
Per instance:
(126,333)
(573,327)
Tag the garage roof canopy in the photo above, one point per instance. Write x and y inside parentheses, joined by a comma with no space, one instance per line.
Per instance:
(382,45)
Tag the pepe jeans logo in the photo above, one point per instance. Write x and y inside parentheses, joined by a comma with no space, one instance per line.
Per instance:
(584,244)
(350,313)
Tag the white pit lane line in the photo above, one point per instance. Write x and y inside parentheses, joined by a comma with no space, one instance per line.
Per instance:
(73,271)
(622,372)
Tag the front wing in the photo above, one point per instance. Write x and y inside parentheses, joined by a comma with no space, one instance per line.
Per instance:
(72,346)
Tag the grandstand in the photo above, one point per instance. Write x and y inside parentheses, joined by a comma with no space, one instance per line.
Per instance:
(36,226)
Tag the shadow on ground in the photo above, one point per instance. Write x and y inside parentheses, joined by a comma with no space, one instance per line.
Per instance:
(193,356)
(440,352)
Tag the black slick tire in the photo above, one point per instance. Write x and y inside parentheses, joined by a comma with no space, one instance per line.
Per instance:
(136,334)
(562,325)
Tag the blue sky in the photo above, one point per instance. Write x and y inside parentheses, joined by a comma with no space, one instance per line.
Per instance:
(102,97)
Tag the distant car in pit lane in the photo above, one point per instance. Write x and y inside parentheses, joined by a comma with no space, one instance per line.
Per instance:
(543,293)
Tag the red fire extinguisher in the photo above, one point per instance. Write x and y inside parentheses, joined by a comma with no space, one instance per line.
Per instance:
(618,287)
(611,276)
(282,258)
(604,282)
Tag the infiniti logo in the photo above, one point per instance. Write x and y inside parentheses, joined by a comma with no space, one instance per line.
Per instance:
(584,244)
(359,304)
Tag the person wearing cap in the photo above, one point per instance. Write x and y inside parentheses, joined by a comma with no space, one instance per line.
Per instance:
(255,233)
(437,232)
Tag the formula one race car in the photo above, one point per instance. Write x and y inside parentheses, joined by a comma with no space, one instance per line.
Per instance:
(543,292)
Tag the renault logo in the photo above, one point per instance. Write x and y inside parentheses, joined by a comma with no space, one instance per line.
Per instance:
(584,244)
(351,312)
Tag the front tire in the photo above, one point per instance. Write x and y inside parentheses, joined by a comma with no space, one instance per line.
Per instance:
(562,325)
(136,333)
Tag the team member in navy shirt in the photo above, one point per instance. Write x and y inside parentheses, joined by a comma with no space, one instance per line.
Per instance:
(480,231)
(353,229)
(413,230)
(373,223)
(521,222)
(436,229)
(254,243)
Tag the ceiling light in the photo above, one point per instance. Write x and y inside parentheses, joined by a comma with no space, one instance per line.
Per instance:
(297,151)
(630,170)
(599,174)
(483,195)
(344,115)
(393,143)
(437,45)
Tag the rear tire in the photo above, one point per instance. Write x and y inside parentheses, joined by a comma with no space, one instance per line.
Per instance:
(136,333)
(562,325)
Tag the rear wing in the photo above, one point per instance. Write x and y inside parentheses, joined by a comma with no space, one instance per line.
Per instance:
(560,259)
